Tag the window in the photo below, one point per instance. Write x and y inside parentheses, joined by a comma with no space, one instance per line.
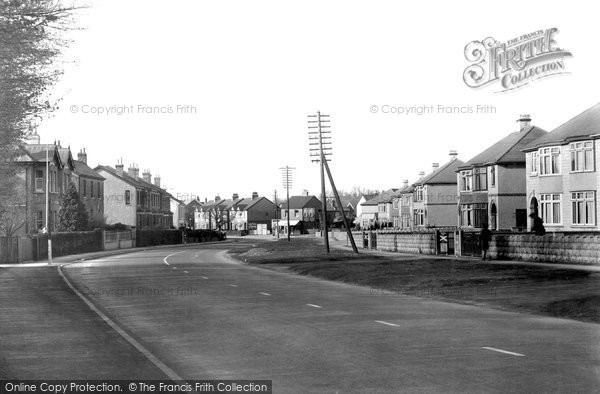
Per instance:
(99,191)
(419,196)
(493,176)
(91,188)
(53,185)
(466,215)
(39,181)
(296,213)
(419,217)
(480,178)
(583,206)
(550,161)
(480,215)
(474,215)
(39,220)
(582,156)
(466,181)
(534,163)
(382,207)
(84,192)
(127,197)
(550,208)
(396,203)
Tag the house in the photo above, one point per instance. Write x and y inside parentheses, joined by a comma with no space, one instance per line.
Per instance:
(90,185)
(435,196)
(253,214)
(134,201)
(492,185)
(32,184)
(366,214)
(334,218)
(377,211)
(191,207)
(210,215)
(562,178)
(178,208)
(303,211)
(404,200)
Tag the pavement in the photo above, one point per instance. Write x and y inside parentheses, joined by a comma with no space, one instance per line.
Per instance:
(204,315)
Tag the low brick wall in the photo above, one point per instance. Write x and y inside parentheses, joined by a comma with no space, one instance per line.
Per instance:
(417,242)
(564,248)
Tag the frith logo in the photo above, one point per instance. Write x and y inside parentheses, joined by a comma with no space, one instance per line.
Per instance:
(516,62)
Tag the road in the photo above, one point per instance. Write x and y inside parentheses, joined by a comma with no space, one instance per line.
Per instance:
(205,316)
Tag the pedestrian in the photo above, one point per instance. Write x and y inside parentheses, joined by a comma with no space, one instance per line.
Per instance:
(484,239)
(538,225)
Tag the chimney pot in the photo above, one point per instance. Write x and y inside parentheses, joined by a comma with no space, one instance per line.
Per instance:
(453,154)
(254,195)
(405,182)
(422,173)
(82,156)
(157,181)
(235,196)
(435,166)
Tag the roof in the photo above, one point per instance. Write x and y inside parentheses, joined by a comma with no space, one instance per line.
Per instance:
(298,202)
(84,170)
(406,189)
(509,149)
(443,175)
(132,181)
(385,196)
(580,127)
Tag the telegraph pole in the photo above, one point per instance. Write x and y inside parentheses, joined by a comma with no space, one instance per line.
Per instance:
(276,209)
(286,173)
(319,131)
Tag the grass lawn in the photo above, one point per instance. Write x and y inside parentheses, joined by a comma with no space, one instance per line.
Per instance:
(547,291)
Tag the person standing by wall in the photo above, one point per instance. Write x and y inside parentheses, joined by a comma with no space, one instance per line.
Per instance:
(484,239)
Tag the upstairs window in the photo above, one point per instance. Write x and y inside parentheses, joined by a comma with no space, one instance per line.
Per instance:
(480,178)
(549,161)
(493,176)
(582,156)
(39,181)
(127,197)
(466,181)
(534,163)
(419,194)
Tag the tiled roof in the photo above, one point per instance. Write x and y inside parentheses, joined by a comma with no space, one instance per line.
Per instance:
(443,175)
(581,126)
(385,196)
(83,169)
(132,181)
(508,149)
(298,202)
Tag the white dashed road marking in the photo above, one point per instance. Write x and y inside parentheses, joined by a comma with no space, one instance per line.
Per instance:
(186,272)
(233,285)
(265,294)
(314,306)
(503,351)
(204,277)
(386,323)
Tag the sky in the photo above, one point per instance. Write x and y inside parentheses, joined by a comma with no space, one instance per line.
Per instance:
(214,96)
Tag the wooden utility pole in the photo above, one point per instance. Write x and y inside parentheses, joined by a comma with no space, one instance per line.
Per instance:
(287,180)
(319,137)
(276,209)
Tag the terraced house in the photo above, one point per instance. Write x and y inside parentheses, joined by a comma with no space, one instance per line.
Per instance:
(562,174)
(134,201)
(492,186)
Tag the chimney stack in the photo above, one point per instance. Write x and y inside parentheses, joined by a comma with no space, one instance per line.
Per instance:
(235,196)
(405,182)
(82,156)
(33,138)
(119,167)
(133,171)
(422,173)
(524,121)
(435,166)
(217,198)
(157,181)
(254,195)
(305,192)
(147,176)
(453,154)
